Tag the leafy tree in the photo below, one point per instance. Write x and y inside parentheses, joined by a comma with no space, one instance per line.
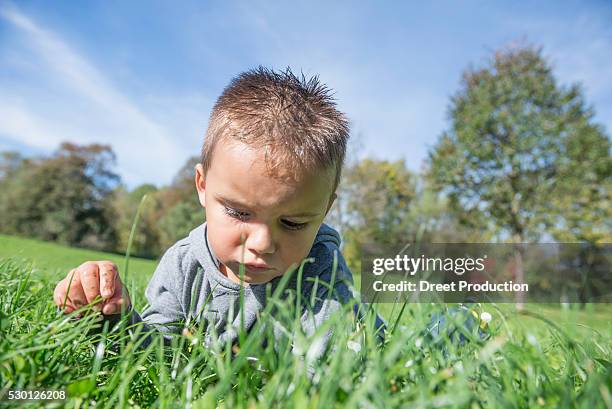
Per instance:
(10,163)
(183,182)
(181,210)
(522,156)
(512,161)
(582,194)
(125,205)
(178,221)
(63,198)
(375,197)
(168,215)
(382,202)
(437,220)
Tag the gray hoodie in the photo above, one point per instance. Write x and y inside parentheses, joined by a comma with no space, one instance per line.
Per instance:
(188,287)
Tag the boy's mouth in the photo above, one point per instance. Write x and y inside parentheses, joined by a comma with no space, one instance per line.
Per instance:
(257,268)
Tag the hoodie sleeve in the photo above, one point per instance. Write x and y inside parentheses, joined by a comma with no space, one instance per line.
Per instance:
(165,310)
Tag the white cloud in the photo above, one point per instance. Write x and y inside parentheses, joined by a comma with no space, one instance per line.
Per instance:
(26,128)
(82,105)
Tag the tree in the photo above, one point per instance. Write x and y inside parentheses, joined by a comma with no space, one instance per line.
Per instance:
(437,220)
(168,215)
(181,209)
(582,195)
(511,161)
(178,221)
(383,202)
(376,197)
(63,198)
(146,237)
(10,163)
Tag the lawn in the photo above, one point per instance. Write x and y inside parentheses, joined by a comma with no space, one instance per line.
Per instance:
(546,357)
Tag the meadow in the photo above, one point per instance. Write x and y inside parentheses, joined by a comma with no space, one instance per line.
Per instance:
(542,357)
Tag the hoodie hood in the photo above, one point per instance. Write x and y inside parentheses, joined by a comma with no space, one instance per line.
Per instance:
(327,234)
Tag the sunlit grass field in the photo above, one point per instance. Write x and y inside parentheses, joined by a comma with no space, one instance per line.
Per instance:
(545,357)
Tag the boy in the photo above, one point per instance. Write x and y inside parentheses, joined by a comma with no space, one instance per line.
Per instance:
(271,162)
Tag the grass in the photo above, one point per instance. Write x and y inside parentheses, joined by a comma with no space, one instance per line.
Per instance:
(545,358)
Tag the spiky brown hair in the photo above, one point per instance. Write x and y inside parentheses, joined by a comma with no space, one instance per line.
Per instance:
(293,119)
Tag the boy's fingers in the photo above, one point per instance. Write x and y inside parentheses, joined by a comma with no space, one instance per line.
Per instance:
(59,295)
(68,308)
(109,309)
(76,295)
(108,276)
(121,298)
(113,306)
(62,301)
(90,281)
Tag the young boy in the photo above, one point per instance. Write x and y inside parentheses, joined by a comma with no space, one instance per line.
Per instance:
(271,162)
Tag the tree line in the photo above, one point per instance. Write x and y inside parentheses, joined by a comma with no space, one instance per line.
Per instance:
(521,160)
(74,197)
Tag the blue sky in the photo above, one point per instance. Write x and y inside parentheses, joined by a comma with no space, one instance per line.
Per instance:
(142,76)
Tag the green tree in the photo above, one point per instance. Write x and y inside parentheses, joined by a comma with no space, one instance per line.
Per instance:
(63,198)
(178,221)
(168,215)
(10,163)
(437,220)
(582,194)
(181,209)
(146,237)
(522,156)
(375,197)
(383,202)
(512,161)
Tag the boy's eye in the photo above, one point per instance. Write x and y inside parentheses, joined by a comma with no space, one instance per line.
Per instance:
(293,225)
(236,214)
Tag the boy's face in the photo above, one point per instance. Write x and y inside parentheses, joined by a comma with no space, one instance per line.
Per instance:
(256,218)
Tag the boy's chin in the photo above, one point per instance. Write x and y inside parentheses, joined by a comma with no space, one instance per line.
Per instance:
(258,280)
(260,277)
(250,277)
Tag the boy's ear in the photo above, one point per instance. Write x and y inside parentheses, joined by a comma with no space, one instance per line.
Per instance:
(200,182)
(332,199)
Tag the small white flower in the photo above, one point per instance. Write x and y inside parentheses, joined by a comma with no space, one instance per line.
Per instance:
(532,340)
(353,346)
(486,317)
(409,363)
(418,343)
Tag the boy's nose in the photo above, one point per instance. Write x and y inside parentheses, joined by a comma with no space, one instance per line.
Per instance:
(260,240)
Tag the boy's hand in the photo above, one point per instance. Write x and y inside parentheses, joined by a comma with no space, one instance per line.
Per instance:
(88,282)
